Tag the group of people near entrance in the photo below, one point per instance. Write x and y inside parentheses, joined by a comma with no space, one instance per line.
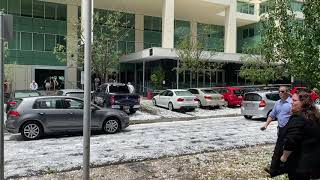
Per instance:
(49,83)
(297,150)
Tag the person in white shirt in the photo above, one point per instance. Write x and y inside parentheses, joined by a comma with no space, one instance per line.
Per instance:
(33,85)
(131,88)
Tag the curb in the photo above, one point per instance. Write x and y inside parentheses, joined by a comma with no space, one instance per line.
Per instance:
(164,119)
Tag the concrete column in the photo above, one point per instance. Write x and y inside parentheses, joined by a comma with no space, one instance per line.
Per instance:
(230,31)
(139,25)
(257,9)
(71,70)
(167,23)
(194,31)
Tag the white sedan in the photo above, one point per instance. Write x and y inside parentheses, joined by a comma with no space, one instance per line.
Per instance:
(176,99)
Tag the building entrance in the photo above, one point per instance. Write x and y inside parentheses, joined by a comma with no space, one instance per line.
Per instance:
(42,74)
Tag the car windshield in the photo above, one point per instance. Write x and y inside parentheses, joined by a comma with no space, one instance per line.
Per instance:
(237,92)
(25,94)
(119,89)
(183,93)
(76,94)
(209,91)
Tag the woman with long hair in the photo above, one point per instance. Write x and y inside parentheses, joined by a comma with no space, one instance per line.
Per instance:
(301,150)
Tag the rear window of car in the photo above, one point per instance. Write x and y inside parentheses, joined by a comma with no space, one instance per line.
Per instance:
(273,96)
(75,94)
(252,97)
(15,105)
(183,93)
(119,89)
(25,94)
(209,91)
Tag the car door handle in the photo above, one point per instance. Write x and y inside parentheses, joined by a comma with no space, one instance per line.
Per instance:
(42,113)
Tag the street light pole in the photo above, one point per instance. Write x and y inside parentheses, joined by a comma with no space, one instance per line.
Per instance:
(1,96)
(87,29)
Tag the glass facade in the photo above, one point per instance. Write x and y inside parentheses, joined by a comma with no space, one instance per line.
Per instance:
(38,26)
(296,6)
(245,7)
(127,45)
(152,31)
(248,36)
(212,36)
(181,30)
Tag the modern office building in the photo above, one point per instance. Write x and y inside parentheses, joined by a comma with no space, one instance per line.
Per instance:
(154,28)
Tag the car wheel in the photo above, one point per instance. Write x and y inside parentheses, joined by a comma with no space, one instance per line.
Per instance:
(170,106)
(132,111)
(247,117)
(111,126)
(31,131)
(154,102)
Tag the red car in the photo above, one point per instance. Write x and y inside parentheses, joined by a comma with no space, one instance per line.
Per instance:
(297,89)
(232,95)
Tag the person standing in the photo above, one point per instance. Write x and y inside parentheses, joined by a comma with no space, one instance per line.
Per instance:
(301,147)
(55,83)
(131,88)
(47,84)
(282,112)
(34,85)
(6,86)
(96,83)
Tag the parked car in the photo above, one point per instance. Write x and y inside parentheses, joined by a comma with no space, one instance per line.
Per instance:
(176,99)
(34,117)
(79,93)
(208,97)
(232,95)
(258,103)
(117,96)
(17,94)
(297,89)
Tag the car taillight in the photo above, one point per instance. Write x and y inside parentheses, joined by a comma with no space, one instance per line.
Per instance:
(262,103)
(112,101)
(208,97)
(180,99)
(12,103)
(222,97)
(196,99)
(13,113)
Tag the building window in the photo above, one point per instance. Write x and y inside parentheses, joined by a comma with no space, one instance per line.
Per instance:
(26,8)
(50,10)
(50,42)
(14,7)
(38,42)
(62,12)
(244,7)
(26,41)
(38,9)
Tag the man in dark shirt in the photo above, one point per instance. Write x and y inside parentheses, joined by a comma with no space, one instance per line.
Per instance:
(281,111)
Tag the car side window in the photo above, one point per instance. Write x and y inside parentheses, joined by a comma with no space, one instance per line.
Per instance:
(45,104)
(72,104)
(169,93)
(163,93)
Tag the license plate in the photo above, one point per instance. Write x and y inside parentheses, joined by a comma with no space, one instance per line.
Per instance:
(126,107)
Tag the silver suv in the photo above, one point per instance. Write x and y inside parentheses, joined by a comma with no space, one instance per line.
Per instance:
(258,103)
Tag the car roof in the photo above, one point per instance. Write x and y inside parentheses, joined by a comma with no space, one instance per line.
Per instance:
(176,89)
(228,87)
(71,90)
(261,92)
(44,97)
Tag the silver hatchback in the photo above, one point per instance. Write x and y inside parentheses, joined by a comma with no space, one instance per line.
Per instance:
(35,116)
(258,103)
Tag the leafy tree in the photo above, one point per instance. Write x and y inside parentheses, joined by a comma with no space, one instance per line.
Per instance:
(108,30)
(158,77)
(193,57)
(306,66)
(279,45)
